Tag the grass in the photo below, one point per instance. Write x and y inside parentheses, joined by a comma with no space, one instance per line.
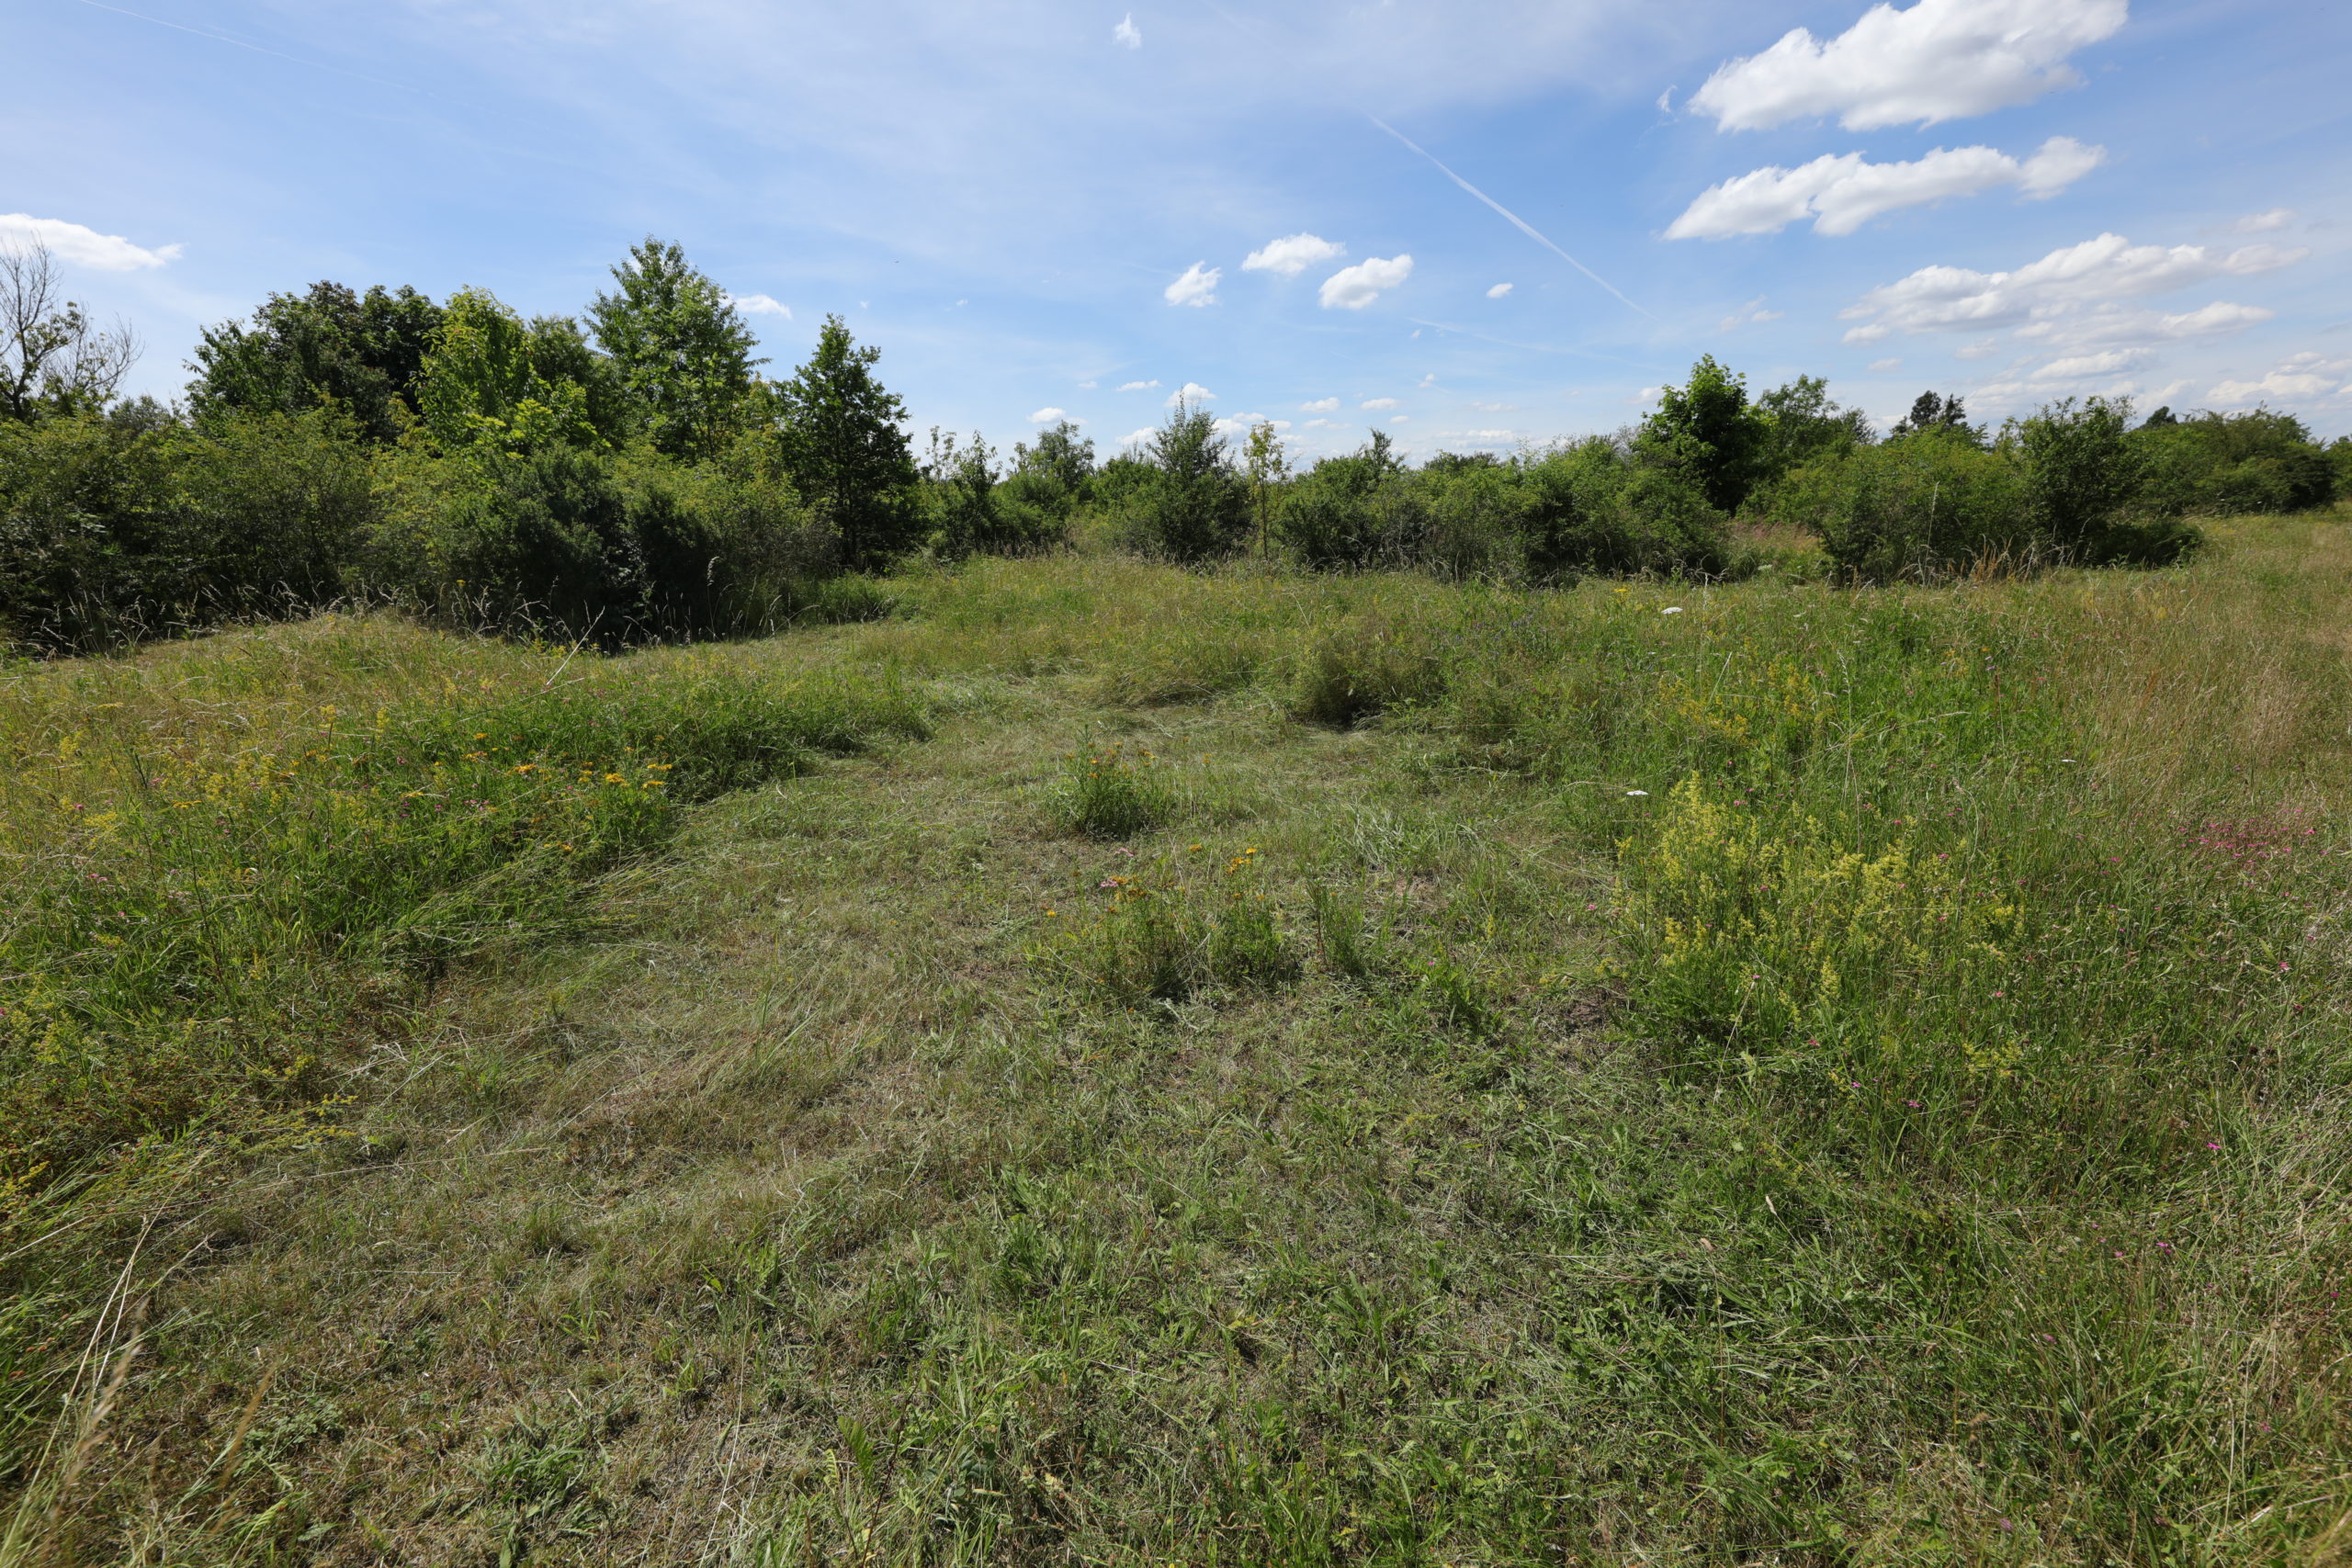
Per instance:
(1814,1078)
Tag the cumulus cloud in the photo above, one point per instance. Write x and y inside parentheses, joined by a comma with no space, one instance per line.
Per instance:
(1087,385)
(1378,403)
(2095,272)
(1353,288)
(760,305)
(1140,386)
(1323,424)
(2265,222)
(81,245)
(1398,418)
(1496,408)
(1191,392)
(1842,192)
(2078,367)
(1139,437)
(1498,291)
(2112,325)
(1047,416)
(2301,377)
(1752,312)
(1939,60)
(1885,367)
(1127,35)
(1242,423)
(1292,255)
(1320,405)
(1197,286)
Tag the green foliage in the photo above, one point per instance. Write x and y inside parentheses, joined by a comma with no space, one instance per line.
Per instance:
(1047,486)
(1708,433)
(1364,666)
(109,532)
(1917,507)
(679,350)
(1194,504)
(1594,506)
(328,345)
(576,542)
(498,384)
(2218,463)
(1944,413)
(846,451)
(1172,930)
(2088,485)
(1802,425)
(974,509)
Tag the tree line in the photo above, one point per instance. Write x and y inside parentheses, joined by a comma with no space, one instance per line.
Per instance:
(630,472)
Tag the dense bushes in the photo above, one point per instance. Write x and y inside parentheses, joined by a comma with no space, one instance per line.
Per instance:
(637,478)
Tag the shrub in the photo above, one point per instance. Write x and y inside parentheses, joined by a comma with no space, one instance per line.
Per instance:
(2081,476)
(2218,464)
(1919,506)
(114,529)
(1592,507)
(1195,505)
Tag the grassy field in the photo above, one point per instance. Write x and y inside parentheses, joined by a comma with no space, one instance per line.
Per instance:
(1110,1064)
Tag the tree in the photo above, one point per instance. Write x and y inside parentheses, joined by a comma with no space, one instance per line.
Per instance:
(1268,468)
(1802,425)
(1196,505)
(51,359)
(1930,413)
(329,345)
(2081,474)
(845,449)
(1707,431)
(681,351)
(496,381)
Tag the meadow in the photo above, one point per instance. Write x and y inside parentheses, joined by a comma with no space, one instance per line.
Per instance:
(1106,1063)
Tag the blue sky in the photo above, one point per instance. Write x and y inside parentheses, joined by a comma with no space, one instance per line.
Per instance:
(1022,204)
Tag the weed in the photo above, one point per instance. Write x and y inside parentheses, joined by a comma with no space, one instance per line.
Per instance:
(1104,793)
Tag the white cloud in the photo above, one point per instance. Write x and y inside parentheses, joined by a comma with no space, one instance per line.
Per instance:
(1399,419)
(1088,386)
(1047,416)
(1241,424)
(1323,424)
(1353,288)
(1885,366)
(1953,298)
(1983,348)
(1126,34)
(1138,386)
(1139,437)
(1320,405)
(1292,255)
(1197,286)
(2265,222)
(1752,312)
(2301,377)
(2076,366)
(1842,192)
(1191,392)
(1498,291)
(2113,326)
(1665,101)
(1379,403)
(1939,60)
(760,305)
(1496,408)
(81,245)
(1429,380)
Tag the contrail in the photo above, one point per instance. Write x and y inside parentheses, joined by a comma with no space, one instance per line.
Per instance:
(257,49)
(1516,221)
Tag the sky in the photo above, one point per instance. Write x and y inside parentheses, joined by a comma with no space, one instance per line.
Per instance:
(1472,224)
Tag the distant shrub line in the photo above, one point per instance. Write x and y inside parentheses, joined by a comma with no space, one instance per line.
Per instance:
(636,479)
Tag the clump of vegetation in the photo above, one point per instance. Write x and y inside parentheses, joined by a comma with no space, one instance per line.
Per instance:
(1104,793)
(1176,928)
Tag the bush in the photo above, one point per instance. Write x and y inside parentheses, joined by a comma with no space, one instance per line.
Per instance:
(1919,506)
(115,529)
(1592,507)
(1193,505)
(2218,464)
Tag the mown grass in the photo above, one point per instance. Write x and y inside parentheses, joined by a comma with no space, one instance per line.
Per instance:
(1810,1077)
